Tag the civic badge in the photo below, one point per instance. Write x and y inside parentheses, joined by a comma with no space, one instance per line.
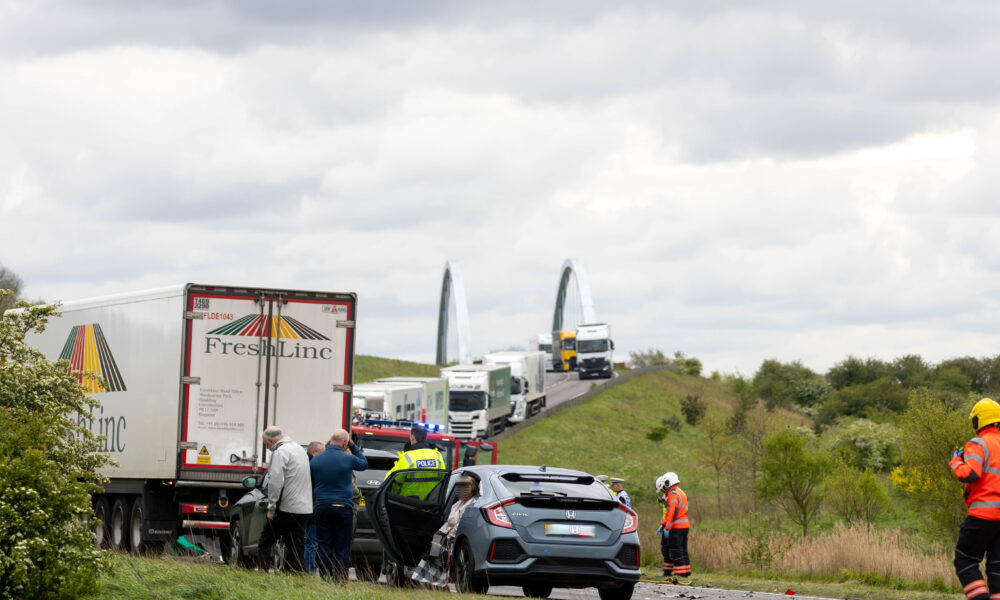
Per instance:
(570,514)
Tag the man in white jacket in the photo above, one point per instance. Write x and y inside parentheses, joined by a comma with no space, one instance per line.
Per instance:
(289,499)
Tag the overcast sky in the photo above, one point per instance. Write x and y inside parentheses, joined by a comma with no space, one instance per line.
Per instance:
(788,180)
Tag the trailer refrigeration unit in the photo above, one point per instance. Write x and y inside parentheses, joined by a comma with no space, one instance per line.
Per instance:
(190,377)
(478,401)
(433,405)
(527,381)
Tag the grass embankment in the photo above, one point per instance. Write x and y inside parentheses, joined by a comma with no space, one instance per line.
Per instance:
(166,578)
(368,368)
(607,435)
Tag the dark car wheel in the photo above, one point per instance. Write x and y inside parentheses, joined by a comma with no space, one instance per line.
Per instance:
(279,554)
(465,572)
(619,593)
(537,591)
(395,575)
(236,556)
(368,570)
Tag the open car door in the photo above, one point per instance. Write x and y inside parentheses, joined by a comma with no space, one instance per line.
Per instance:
(406,510)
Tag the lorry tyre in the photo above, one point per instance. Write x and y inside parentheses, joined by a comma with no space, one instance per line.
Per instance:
(136,517)
(118,530)
(102,512)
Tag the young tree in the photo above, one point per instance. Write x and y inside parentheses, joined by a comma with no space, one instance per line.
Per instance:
(792,474)
(48,469)
(855,495)
(716,452)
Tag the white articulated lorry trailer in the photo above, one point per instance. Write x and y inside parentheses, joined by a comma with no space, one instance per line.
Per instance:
(433,405)
(393,402)
(543,343)
(594,349)
(192,374)
(478,400)
(527,381)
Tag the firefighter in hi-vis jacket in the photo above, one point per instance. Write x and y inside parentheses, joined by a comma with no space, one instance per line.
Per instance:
(978,466)
(673,530)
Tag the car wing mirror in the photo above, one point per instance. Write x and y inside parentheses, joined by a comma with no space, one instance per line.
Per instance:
(251,482)
(470,456)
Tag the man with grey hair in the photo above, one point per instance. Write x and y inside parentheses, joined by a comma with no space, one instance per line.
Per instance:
(332,479)
(289,498)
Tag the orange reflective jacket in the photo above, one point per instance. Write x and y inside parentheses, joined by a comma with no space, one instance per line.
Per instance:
(675,513)
(979,468)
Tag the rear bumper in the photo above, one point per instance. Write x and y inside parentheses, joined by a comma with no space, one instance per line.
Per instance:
(567,566)
(365,547)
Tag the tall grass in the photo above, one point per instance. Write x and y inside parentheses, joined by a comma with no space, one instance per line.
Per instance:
(853,551)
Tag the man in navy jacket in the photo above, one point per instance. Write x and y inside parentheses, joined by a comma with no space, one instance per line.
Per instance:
(333,502)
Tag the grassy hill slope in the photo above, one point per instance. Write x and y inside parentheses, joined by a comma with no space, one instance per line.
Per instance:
(367,368)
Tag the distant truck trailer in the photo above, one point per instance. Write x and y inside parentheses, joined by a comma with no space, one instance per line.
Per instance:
(190,376)
(392,402)
(527,381)
(432,406)
(543,343)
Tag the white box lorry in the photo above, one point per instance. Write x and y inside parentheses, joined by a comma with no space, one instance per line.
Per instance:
(478,400)
(433,404)
(393,402)
(527,381)
(594,350)
(543,343)
(192,374)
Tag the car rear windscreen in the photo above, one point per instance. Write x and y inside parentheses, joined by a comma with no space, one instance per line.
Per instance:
(568,486)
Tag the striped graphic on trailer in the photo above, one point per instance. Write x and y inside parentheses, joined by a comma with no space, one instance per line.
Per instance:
(87,350)
(259,326)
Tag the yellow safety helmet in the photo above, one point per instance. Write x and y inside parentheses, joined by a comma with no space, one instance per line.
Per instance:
(985,412)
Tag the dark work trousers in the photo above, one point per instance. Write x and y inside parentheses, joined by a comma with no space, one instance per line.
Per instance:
(668,565)
(334,525)
(290,528)
(978,537)
(677,545)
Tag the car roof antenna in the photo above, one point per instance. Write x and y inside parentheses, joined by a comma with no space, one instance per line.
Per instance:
(542,468)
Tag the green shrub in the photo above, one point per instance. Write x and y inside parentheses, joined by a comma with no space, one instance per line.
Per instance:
(863,445)
(48,469)
(693,408)
(855,495)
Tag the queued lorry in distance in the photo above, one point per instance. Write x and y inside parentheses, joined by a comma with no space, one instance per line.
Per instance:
(564,351)
(594,349)
(387,401)
(542,343)
(527,382)
(190,376)
(432,404)
(478,400)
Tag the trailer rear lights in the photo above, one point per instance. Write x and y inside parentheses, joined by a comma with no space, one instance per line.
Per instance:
(496,514)
(631,520)
(194,509)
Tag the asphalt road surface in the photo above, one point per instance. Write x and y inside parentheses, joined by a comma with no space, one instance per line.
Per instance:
(560,387)
(655,591)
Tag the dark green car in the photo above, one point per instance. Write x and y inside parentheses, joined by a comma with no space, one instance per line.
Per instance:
(248,514)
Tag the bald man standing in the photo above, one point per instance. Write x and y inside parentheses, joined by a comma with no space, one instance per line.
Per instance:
(289,499)
(333,497)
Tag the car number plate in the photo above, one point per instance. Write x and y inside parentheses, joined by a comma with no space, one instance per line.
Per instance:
(570,530)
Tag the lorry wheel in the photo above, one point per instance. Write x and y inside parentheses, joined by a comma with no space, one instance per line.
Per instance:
(135,542)
(118,529)
(102,512)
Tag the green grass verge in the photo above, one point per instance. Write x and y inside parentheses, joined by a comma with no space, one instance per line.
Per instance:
(168,578)
(368,368)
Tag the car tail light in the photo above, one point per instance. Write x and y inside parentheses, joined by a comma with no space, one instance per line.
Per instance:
(631,519)
(496,514)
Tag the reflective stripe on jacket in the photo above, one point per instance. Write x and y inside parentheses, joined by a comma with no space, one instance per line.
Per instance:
(675,512)
(979,468)
(423,458)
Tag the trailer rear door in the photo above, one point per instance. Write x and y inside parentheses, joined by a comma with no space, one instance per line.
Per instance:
(255,358)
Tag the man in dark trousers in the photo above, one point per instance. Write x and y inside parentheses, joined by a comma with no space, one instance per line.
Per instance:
(977,465)
(289,499)
(333,498)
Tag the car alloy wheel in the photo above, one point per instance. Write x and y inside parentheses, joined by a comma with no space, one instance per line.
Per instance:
(465,572)
(235,557)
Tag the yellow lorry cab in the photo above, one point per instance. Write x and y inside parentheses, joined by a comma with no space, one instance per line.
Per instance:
(564,350)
